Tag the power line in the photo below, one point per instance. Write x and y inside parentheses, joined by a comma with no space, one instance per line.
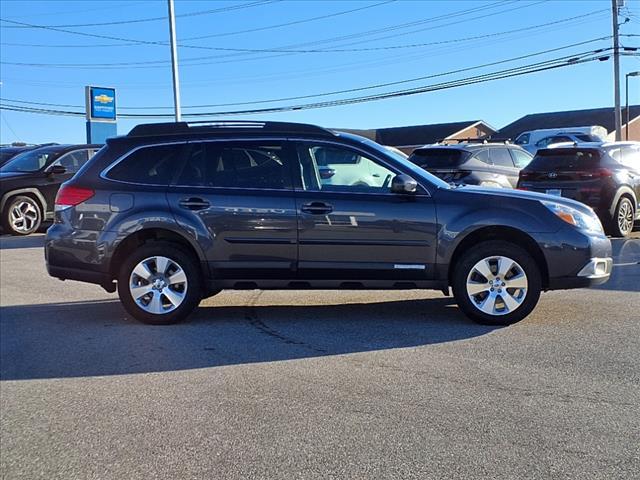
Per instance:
(155,19)
(350,90)
(253,30)
(238,51)
(365,49)
(598,55)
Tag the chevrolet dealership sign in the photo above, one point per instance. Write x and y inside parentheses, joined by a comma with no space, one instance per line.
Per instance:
(100,104)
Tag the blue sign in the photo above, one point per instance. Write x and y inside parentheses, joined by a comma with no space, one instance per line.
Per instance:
(102,103)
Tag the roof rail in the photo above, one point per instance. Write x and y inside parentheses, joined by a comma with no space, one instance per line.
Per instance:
(208,126)
(474,140)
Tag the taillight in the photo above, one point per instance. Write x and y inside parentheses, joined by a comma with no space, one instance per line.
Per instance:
(70,196)
(597,173)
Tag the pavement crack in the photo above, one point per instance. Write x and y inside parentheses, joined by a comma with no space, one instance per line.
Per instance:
(251,316)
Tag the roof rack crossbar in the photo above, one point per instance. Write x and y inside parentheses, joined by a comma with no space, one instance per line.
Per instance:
(211,126)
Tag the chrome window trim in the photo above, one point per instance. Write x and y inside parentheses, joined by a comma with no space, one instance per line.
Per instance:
(106,170)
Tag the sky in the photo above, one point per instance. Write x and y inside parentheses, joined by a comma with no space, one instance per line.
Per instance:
(305,48)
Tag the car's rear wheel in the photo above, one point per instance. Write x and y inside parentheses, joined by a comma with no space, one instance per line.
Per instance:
(623,218)
(22,216)
(496,283)
(160,283)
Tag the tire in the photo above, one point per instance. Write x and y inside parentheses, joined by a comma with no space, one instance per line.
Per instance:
(159,301)
(623,218)
(502,305)
(22,215)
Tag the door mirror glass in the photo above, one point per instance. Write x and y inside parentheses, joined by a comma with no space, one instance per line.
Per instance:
(403,184)
(57,170)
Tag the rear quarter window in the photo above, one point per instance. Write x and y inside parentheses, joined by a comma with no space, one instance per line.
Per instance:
(153,165)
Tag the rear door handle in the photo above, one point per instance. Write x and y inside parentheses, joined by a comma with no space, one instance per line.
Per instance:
(317,208)
(194,203)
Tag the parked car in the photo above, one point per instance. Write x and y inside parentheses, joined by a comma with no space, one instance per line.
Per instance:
(605,176)
(30,180)
(172,213)
(484,164)
(534,140)
(7,152)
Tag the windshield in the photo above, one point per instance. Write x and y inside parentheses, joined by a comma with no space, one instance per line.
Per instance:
(30,161)
(437,157)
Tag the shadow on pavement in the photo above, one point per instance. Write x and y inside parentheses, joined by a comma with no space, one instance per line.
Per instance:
(626,270)
(8,242)
(97,338)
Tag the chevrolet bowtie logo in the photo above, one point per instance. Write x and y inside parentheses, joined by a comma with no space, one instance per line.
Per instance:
(103,98)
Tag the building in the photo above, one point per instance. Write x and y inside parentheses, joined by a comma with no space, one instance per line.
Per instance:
(409,138)
(577,118)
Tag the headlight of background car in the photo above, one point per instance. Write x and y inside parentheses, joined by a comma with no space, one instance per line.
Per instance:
(583,221)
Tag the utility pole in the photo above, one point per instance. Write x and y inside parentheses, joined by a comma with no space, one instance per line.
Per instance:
(174,61)
(616,70)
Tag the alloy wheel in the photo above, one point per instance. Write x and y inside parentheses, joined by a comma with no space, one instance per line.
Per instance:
(24,216)
(497,285)
(625,217)
(158,285)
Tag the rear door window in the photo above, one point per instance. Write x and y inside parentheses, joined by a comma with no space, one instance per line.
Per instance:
(500,157)
(154,165)
(248,165)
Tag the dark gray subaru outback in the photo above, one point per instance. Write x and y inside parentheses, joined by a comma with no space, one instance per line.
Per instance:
(172,213)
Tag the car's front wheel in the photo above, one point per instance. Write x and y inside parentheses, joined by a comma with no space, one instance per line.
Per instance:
(21,216)
(496,283)
(160,283)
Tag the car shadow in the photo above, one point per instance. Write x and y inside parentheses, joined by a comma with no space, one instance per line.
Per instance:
(9,242)
(98,338)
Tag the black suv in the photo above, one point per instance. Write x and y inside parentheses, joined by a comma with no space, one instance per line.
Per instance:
(176,212)
(30,180)
(605,176)
(483,164)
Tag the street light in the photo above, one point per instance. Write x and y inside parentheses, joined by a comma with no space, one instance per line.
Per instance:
(626,82)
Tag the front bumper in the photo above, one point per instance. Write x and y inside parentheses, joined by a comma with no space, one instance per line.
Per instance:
(596,272)
(576,259)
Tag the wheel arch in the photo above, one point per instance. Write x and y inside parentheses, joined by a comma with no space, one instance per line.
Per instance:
(504,233)
(31,192)
(623,191)
(151,234)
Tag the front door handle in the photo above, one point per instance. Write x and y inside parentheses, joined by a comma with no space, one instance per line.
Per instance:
(317,208)
(194,203)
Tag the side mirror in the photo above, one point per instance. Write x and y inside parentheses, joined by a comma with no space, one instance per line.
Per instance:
(57,170)
(403,184)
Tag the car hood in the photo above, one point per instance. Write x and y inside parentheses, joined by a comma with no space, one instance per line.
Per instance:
(524,195)
(11,175)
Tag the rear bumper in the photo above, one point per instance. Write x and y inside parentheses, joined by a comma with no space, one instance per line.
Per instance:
(78,255)
(66,273)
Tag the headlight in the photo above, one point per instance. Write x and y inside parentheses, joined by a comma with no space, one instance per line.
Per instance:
(583,221)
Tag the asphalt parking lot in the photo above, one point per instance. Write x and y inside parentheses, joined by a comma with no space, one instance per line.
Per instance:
(316,384)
